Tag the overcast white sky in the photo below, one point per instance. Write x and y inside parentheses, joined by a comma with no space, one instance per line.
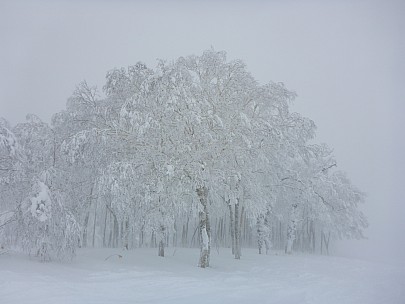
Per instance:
(345,59)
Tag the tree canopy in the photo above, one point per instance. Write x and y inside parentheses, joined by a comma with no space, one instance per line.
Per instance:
(194,140)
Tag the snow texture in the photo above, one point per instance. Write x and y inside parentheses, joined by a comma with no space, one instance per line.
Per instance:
(41,203)
(205,239)
(139,276)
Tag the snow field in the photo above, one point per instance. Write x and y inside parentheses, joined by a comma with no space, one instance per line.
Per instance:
(140,276)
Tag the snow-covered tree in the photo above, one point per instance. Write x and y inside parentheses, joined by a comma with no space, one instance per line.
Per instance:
(197,141)
(46,228)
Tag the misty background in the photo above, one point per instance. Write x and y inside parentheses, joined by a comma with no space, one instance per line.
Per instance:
(345,60)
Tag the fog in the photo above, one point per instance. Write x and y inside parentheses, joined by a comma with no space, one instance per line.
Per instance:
(345,60)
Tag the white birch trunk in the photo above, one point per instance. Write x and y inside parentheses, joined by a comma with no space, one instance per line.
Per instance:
(204,229)
(260,232)
(126,234)
(267,232)
(292,229)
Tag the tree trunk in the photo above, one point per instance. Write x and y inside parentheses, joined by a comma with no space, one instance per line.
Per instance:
(241,230)
(175,235)
(115,231)
(326,241)
(260,232)
(94,225)
(184,235)
(162,237)
(85,224)
(161,250)
(292,229)
(141,235)
(126,234)
(204,241)
(204,229)
(237,232)
(105,228)
(321,242)
(86,220)
(313,237)
(232,226)
(221,227)
(267,231)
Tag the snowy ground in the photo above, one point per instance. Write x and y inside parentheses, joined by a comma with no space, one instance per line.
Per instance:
(142,277)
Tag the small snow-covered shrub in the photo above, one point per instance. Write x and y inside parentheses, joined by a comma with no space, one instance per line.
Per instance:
(46,228)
